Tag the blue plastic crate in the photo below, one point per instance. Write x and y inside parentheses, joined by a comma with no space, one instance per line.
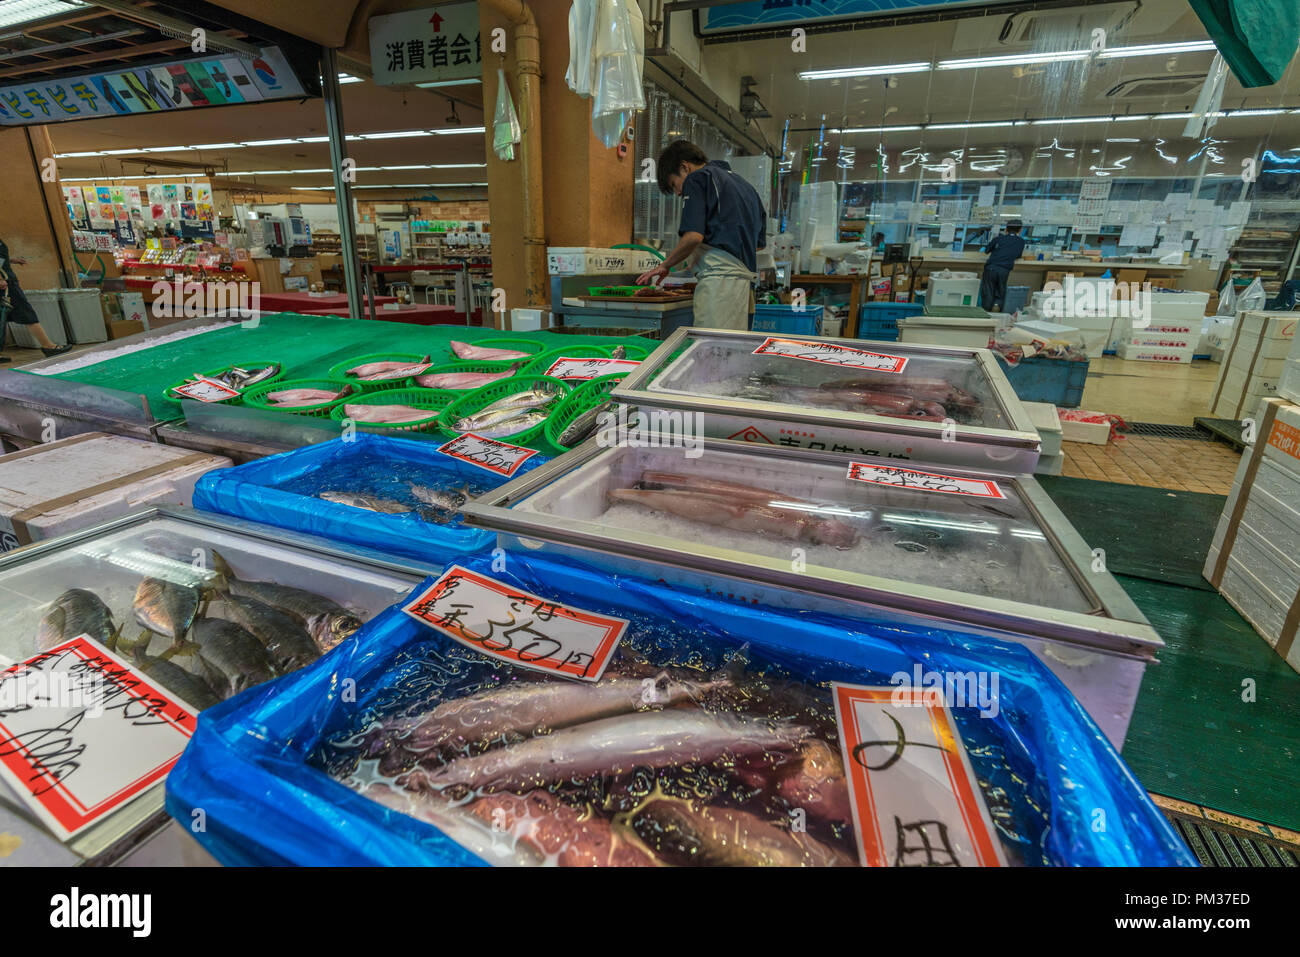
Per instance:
(784,320)
(1058,381)
(879,320)
(1016,298)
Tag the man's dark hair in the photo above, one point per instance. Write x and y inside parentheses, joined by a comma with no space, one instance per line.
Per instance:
(1014,226)
(674,155)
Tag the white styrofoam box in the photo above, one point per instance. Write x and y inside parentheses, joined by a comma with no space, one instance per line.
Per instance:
(831,325)
(51,488)
(1047,422)
(1080,425)
(1175,327)
(1288,386)
(1269,510)
(595,261)
(529,320)
(1265,610)
(1175,305)
(1050,464)
(1256,365)
(45,302)
(85,315)
(1045,329)
(953,289)
(1143,339)
(133,308)
(947,330)
(1282,444)
(1235,395)
(1099,332)
(1135,353)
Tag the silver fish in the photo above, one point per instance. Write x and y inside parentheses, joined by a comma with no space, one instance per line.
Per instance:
(329,628)
(728,837)
(613,745)
(504,423)
(583,425)
(531,399)
(369,502)
(525,707)
(76,612)
(448,500)
(165,607)
(283,636)
(238,655)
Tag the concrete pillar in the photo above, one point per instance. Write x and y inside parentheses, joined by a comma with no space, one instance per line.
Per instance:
(35,222)
(587,188)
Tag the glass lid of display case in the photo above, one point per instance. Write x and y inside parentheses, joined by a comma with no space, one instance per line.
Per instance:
(924,384)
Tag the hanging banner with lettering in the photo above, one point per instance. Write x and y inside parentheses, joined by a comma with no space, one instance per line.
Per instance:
(758,14)
(215,80)
(433,45)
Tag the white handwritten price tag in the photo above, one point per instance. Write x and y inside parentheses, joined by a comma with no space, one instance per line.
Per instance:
(831,353)
(206,390)
(924,481)
(82,733)
(517,626)
(573,368)
(500,457)
(915,799)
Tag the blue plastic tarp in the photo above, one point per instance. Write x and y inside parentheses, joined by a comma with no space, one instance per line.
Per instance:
(252,788)
(258,491)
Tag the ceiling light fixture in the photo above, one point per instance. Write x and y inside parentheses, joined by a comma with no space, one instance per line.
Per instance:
(1013,59)
(888,68)
(1158,49)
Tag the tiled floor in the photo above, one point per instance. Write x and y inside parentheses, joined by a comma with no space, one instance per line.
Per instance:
(1186,465)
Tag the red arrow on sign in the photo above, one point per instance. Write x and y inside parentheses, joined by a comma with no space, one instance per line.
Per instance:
(436,20)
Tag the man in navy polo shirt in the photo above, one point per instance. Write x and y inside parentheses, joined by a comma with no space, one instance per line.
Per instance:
(723,226)
(1003,252)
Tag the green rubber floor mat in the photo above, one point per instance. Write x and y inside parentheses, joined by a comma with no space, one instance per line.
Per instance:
(306,346)
(1194,736)
(1153,533)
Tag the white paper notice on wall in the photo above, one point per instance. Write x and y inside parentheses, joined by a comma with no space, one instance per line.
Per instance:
(987,196)
(947,232)
(914,796)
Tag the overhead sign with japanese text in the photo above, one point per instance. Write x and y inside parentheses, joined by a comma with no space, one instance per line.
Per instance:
(224,79)
(433,45)
(770,13)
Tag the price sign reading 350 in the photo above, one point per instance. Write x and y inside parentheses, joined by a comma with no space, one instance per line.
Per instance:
(518,626)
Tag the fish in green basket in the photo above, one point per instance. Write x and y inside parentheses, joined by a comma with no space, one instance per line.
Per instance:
(582,426)
(491,425)
(382,371)
(464,380)
(531,399)
(298,398)
(387,414)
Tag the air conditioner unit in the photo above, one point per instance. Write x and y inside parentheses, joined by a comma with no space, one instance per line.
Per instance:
(1157,87)
(1050,29)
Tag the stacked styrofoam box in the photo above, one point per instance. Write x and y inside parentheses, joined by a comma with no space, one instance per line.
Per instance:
(1254,560)
(1171,333)
(1253,360)
(1048,425)
(1097,326)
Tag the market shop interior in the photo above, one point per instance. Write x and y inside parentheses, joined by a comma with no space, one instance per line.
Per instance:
(652,408)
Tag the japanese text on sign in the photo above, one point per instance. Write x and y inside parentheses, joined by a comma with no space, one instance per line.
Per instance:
(500,457)
(571,368)
(426,46)
(517,626)
(206,390)
(1285,438)
(924,481)
(831,353)
(914,797)
(82,733)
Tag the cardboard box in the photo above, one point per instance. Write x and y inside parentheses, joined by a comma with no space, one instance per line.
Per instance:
(1129,276)
(1164,282)
(124,327)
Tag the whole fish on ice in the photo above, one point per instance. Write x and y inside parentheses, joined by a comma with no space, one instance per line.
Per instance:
(728,837)
(797,524)
(164,607)
(76,612)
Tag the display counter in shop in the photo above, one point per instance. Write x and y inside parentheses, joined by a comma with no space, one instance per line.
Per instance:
(930,403)
(160,614)
(981,550)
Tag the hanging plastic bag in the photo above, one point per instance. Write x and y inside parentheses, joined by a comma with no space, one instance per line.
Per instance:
(618,50)
(1253,298)
(582,28)
(505,126)
(1227,300)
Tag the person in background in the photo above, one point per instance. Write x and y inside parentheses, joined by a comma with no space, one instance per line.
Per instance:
(878,242)
(723,226)
(1003,252)
(15,307)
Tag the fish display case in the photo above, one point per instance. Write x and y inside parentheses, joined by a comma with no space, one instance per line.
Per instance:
(930,403)
(719,732)
(986,551)
(133,583)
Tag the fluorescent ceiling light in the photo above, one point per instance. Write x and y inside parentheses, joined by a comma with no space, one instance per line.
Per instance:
(1072,119)
(438,83)
(972,126)
(1122,139)
(349,78)
(217,146)
(14,12)
(1132,116)
(1158,49)
(1255,112)
(87,153)
(459,129)
(268,142)
(1014,59)
(313,139)
(164,149)
(1173,116)
(118,152)
(917,67)
(391,136)
(876,129)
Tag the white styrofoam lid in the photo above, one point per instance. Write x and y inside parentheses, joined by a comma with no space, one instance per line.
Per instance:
(1043,415)
(1053,330)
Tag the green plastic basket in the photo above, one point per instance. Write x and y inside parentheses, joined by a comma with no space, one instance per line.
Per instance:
(472,402)
(435,400)
(530,346)
(213,373)
(499,366)
(637,353)
(584,397)
(339,370)
(256,397)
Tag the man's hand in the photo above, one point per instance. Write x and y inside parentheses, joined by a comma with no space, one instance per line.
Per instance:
(18,262)
(651,276)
